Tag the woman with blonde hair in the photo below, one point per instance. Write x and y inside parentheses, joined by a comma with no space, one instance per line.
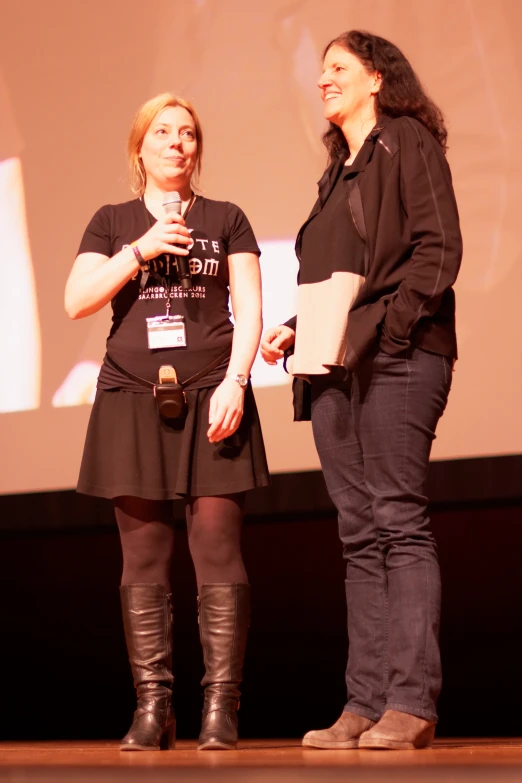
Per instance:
(174,414)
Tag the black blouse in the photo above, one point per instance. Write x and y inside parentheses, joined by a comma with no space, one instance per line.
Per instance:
(330,242)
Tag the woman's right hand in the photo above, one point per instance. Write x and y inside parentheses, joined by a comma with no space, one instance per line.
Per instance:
(168,235)
(95,278)
(275,341)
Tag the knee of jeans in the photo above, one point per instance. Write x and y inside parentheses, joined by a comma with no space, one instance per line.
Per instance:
(363,546)
(408,545)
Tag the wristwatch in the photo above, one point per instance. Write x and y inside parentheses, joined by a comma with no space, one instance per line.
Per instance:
(241,379)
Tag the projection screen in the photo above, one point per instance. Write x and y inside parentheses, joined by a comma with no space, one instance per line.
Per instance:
(71,78)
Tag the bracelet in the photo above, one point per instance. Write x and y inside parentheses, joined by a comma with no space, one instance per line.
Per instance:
(139,258)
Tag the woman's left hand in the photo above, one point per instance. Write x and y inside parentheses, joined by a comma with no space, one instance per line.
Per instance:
(226,410)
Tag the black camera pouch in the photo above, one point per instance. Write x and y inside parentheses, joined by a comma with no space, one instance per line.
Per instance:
(170,399)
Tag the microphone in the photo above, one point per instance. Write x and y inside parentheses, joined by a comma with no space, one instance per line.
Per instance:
(171,204)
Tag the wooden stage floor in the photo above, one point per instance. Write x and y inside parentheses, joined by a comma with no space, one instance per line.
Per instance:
(260,761)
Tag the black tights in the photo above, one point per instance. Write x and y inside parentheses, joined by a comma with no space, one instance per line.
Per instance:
(214,537)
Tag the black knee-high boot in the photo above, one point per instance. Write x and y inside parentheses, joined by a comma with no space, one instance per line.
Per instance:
(224,619)
(147,619)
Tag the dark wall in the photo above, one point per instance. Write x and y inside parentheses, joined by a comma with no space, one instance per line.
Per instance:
(64,667)
(452,483)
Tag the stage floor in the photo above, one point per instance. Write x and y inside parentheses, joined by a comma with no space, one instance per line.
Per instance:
(277,761)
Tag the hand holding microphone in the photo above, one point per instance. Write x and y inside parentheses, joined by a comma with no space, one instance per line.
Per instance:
(168,235)
(172,205)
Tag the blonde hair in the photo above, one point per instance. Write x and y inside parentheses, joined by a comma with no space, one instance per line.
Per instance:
(140,125)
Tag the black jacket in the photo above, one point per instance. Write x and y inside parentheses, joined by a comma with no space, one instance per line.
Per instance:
(401,200)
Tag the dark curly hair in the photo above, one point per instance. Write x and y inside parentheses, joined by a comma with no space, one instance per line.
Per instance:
(401,93)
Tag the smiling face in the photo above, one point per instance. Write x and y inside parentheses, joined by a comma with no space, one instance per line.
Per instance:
(169,151)
(347,89)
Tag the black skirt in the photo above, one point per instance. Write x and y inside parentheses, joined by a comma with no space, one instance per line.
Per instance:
(130,450)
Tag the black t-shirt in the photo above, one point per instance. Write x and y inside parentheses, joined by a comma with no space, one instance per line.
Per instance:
(219,229)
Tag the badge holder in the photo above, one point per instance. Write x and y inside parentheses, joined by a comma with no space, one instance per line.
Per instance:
(166,331)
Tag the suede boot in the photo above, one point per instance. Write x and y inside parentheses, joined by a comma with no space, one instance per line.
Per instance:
(399,731)
(224,619)
(147,620)
(343,735)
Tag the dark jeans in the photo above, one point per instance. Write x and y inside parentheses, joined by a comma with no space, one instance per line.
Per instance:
(373,433)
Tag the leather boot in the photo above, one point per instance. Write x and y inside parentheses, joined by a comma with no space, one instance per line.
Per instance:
(224,619)
(343,735)
(147,620)
(399,731)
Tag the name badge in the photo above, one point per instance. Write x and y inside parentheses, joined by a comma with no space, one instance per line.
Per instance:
(166,331)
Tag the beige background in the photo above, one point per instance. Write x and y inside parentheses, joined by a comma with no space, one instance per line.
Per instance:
(77,72)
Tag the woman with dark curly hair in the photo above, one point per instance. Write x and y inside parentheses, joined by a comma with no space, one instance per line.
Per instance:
(374,346)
